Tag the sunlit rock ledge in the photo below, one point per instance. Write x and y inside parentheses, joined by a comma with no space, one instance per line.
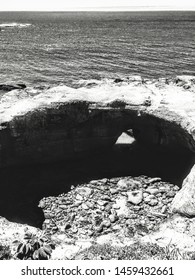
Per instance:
(62,123)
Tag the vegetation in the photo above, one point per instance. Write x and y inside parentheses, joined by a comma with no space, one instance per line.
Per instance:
(5,252)
(40,248)
(136,251)
(34,247)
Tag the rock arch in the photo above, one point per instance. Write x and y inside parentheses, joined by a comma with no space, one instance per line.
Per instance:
(63,123)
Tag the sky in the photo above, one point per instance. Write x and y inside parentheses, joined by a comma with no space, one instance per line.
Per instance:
(73,5)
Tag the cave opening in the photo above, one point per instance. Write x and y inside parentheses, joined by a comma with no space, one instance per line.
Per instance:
(171,165)
(24,186)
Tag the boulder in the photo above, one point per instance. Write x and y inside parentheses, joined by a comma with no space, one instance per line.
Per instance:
(6,88)
(135,197)
(118,80)
(184,201)
(130,184)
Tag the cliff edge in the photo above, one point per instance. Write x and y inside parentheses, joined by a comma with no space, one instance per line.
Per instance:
(44,125)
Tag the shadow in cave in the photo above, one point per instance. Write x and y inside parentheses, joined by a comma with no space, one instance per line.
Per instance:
(23,187)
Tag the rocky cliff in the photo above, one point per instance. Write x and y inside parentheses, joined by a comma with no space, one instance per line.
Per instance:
(63,123)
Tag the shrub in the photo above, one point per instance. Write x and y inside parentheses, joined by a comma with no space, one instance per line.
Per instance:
(136,251)
(34,247)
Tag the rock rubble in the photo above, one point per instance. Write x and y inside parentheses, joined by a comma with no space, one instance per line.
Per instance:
(131,206)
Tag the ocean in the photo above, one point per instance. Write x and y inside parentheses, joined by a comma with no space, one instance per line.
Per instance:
(52,48)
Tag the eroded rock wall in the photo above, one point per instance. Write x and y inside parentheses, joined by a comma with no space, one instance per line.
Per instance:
(65,131)
(63,123)
(62,131)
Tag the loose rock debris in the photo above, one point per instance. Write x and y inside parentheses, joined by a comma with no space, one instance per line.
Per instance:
(132,206)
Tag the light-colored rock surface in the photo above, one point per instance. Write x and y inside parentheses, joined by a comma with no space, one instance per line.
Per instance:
(11,234)
(184,202)
(177,232)
(135,197)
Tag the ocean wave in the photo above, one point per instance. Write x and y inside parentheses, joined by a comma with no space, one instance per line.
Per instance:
(14,24)
(180,82)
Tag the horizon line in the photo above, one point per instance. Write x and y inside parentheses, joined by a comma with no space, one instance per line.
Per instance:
(114,9)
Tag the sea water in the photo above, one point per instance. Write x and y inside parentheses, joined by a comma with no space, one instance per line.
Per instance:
(52,48)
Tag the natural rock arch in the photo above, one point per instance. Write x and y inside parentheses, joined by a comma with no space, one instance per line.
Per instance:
(62,123)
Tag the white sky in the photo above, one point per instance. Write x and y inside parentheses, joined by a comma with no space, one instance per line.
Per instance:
(67,5)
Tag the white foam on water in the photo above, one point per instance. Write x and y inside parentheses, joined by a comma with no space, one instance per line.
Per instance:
(186,78)
(109,81)
(14,24)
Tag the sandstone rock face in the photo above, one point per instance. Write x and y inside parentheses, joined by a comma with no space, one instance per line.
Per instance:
(60,123)
(184,201)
